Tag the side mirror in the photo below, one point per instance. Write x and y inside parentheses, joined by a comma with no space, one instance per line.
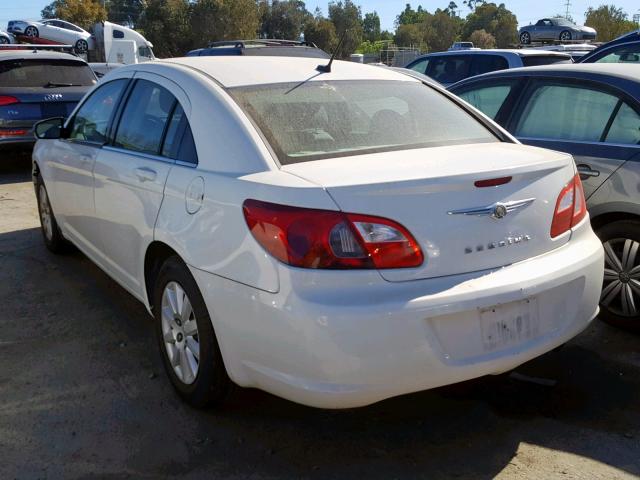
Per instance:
(50,129)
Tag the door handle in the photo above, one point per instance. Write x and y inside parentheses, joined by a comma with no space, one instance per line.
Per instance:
(586,171)
(145,174)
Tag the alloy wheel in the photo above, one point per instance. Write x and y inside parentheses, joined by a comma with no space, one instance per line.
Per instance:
(564,36)
(621,289)
(180,333)
(31,31)
(525,38)
(46,218)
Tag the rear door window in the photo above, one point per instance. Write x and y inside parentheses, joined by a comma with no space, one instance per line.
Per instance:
(488,98)
(449,68)
(43,73)
(566,112)
(622,54)
(145,118)
(487,63)
(625,128)
(178,143)
(533,60)
(92,119)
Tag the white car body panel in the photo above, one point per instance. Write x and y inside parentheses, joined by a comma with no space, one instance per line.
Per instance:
(333,338)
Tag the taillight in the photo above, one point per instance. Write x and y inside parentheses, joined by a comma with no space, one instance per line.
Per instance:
(8,100)
(310,238)
(12,132)
(570,207)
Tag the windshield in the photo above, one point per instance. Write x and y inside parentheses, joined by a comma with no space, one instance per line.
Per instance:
(42,73)
(318,120)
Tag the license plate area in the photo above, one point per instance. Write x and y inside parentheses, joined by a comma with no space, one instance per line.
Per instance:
(510,324)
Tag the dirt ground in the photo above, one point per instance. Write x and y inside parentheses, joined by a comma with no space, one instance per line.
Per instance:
(83,395)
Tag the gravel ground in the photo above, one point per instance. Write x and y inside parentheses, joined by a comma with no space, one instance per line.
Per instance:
(83,395)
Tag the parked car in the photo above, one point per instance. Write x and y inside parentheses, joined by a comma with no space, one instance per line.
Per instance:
(576,50)
(334,238)
(627,37)
(54,31)
(6,38)
(628,52)
(269,47)
(450,67)
(555,29)
(462,46)
(35,85)
(591,111)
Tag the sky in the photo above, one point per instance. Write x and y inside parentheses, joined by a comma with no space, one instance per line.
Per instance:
(527,11)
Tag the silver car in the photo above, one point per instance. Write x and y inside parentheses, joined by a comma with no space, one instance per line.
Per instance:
(6,38)
(555,29)
(53,31)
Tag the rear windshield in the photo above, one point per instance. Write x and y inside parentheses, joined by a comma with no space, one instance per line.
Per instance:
(317,120)
(42,73)
(533,60)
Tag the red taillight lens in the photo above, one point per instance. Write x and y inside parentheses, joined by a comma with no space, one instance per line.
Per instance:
(8,100)
(12,132)
(570,207)
(310,238)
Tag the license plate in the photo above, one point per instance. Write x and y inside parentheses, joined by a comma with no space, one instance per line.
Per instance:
(508,325)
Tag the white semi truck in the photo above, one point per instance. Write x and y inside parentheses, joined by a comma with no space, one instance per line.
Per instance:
(114,45)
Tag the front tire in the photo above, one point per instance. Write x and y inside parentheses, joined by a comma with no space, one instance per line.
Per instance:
(525,38)
(620,299)
(565,36)
(51,233)
(187,342)
(31,32)
(4,40)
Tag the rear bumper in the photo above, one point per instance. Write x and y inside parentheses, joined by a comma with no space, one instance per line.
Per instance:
(348,339)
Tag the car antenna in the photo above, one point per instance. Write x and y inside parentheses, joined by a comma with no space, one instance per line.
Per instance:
(327,68)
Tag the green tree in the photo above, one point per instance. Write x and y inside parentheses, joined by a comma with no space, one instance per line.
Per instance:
(125,12)
(609,21)
(213,20)
(494,19)
(482,39)
(83,13)
(322,32)
(371,26)
(473,4)
(347,19)
(452,9)
(410,35)
(167,24)
(283,19)
(441,30)
(410,16)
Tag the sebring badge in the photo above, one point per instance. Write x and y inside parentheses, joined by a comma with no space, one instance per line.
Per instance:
(497,210)
(53,97)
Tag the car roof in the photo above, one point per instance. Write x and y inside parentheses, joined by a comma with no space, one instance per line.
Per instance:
(22,54)
(523,52)
(627,75)
(234,71)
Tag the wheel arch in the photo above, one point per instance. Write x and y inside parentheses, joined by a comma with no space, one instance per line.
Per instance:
(156,254)
(598,220)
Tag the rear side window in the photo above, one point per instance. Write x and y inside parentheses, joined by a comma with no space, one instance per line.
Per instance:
(533,60)
(487,63)
(622,54)
(566,112)
(487,99)
(144,118)
(625,127)
(44,73)
(178,143)
(420,66)
(449,69)
(92,118)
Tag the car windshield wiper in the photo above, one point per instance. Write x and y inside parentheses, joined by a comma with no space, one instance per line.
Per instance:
(54,84)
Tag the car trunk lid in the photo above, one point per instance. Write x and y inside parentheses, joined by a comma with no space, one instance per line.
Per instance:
(431,192)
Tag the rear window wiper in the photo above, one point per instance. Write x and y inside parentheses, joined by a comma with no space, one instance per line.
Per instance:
(54,84)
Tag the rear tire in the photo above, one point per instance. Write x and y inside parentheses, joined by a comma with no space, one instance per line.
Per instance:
(4,40)
(82,46)
(525,38)
(31,32)
(188,344)
(620,300)
(51,233)
(565,36)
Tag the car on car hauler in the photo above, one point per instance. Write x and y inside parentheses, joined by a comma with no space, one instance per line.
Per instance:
(335,236)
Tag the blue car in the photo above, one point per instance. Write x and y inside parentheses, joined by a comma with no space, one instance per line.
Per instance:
(616,46)
(591,111)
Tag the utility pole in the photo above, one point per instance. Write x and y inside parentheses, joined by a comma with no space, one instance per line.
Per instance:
(567,4)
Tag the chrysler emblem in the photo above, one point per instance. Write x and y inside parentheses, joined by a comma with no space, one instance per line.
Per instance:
(500,211)
(53,97)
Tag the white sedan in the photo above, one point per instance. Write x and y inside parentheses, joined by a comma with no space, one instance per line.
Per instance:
(52,31)
(335,238)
